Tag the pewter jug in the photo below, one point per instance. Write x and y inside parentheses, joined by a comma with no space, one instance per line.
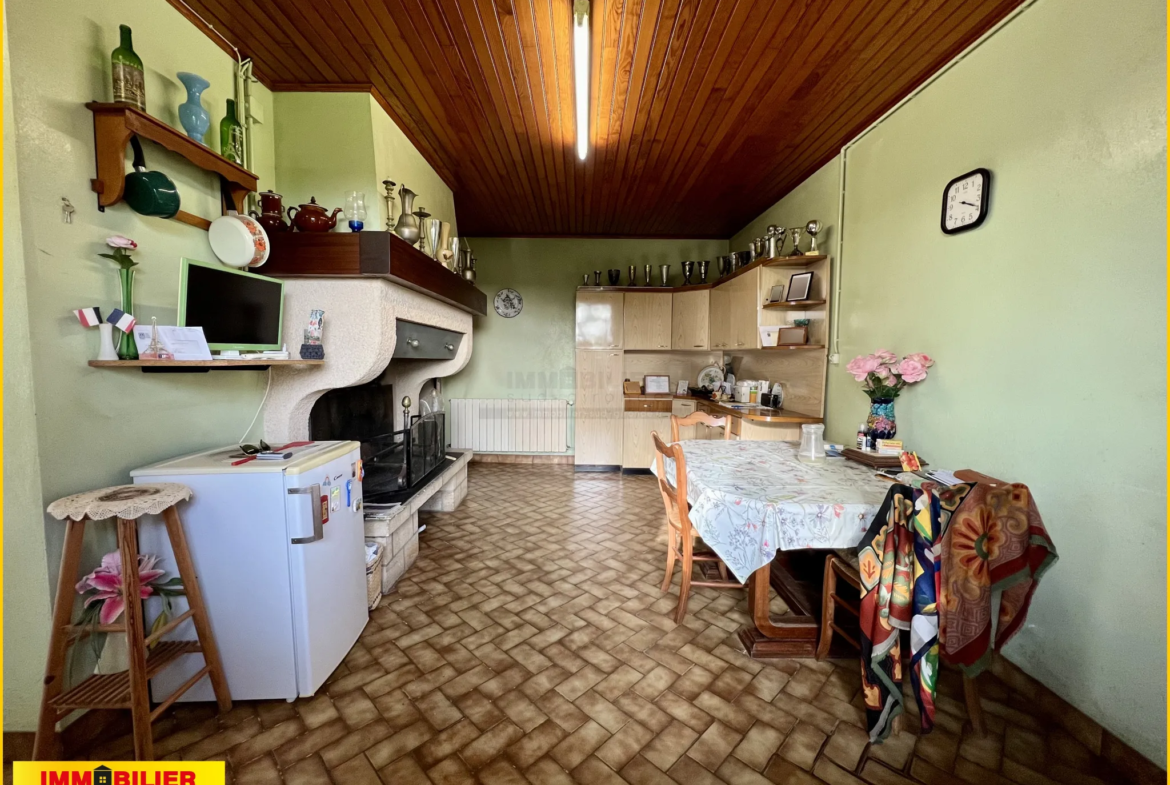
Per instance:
(408,226)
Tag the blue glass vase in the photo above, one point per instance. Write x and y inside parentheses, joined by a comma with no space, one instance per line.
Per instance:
(881,420)
(192,115)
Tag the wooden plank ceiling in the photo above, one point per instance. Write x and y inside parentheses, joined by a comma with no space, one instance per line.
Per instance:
(703,113)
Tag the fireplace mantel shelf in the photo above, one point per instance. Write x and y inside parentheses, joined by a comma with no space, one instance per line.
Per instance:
(370,255)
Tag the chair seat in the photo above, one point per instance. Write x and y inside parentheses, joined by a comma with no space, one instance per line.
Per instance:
(127,502)
(850,556)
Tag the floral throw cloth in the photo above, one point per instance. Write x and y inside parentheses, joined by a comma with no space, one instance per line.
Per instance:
(750,499)
(930,564)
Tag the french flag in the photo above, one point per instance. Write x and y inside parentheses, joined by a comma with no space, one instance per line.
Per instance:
(122,320)
(89,317)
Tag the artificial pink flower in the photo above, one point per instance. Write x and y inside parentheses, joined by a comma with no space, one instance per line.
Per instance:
(863,366)
(886,356)
(912,371)
(884,372)
(924,359)
(106,581)
(118,241)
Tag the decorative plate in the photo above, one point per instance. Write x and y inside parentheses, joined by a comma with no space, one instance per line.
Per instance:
(710,376)
(509,303)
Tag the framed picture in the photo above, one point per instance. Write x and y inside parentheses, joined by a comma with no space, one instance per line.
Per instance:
(656,385)
(792,336)
(799,286)
(777,293)
(682,388)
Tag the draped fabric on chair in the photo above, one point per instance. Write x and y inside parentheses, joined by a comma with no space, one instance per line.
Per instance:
(929,564)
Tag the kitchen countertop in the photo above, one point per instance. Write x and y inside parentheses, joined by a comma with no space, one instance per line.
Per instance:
(787,416)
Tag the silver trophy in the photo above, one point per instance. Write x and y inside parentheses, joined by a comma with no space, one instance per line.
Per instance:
(813,228)
(796,242)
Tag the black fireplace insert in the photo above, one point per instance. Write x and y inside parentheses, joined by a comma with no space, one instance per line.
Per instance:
(396,462)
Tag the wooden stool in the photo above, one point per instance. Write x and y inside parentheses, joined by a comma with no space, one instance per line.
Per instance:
(129,689)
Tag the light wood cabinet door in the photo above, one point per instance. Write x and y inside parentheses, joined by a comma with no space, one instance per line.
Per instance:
(599,320)
(647,320)
(720,316)
(681,408)
(691,320)
(637,446)
(744,318)
(599,409)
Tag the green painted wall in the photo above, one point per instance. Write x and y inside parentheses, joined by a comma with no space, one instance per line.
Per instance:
(93,426)
(1048,322)
(328,144)
(532,355)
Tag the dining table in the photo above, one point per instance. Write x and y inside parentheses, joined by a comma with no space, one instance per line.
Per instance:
(771,517)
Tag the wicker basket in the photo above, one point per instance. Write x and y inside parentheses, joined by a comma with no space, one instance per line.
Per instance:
(374,577)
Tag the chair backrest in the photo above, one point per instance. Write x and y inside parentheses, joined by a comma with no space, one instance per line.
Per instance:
(676,512)
(970,475)
(698,418)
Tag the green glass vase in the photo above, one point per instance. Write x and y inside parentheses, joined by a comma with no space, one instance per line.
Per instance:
(128,74)
(231,135)
(127,349)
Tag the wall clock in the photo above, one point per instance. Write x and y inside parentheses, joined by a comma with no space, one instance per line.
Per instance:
(509,303)
(965,201)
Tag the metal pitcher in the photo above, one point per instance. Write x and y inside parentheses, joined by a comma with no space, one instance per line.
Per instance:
(407,227)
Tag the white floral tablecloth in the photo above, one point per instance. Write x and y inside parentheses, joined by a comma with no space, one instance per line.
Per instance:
(750,499)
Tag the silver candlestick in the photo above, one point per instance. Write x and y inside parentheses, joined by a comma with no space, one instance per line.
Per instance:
(388,198)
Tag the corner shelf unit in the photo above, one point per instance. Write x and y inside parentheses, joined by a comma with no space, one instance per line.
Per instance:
(203,366)
(115,124)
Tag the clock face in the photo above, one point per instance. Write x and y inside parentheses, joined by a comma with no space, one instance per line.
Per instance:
(508,303)
(965,201)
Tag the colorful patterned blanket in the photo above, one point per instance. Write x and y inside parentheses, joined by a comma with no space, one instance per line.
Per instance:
(929,564)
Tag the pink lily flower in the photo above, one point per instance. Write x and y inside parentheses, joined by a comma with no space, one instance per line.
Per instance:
(106,581)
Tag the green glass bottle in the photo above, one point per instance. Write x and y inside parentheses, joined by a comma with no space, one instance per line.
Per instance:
(231,135)
(126,67)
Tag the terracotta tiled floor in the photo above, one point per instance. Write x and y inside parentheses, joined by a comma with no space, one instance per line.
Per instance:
(530,643)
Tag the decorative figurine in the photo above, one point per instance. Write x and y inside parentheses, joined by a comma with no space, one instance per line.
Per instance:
(312,348)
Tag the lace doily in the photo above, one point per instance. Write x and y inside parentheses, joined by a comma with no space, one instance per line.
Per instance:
(120,501)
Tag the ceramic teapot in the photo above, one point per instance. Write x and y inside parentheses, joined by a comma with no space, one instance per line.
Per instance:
(271,215)
(312,217)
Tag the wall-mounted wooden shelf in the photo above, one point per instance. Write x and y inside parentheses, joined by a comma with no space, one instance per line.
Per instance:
(793,347)
(799,305)
(203,366)
(791,261)
(115,124)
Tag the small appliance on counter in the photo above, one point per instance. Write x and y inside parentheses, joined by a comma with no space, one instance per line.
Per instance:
(279,547)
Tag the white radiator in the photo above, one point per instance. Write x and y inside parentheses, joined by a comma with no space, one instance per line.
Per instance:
(509,425)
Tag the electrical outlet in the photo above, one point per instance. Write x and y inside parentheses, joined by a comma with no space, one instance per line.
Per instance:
(834,358)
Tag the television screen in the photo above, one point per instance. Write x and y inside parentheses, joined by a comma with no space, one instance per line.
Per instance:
(235,308)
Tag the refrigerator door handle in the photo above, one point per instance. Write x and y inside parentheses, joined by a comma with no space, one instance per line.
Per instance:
(314,493)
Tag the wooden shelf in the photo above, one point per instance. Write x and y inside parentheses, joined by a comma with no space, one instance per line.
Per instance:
(370,254)
(115,124)
(794,347)
(790,261)
(112,690)
(203,366)
(797,306)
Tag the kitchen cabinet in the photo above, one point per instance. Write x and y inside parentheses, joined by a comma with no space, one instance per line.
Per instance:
(720,316)
(691,320)
(599,320)
(646,317)
(744,308)
(599,409)
(642,418)
(682,408)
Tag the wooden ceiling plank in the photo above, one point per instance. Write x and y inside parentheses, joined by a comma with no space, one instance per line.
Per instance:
(253,38)
(546,39)
(533,61)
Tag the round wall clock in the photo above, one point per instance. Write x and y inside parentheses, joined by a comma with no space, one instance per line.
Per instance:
(965,201)
(509,303)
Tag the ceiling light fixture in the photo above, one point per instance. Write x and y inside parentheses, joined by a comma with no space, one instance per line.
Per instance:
(581,73)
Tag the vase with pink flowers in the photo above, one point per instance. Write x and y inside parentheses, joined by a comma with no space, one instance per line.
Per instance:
(883,376)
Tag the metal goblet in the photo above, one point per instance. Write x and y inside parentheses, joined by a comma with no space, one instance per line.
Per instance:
(688,271)
(597,277)
(704,266)
(633,275)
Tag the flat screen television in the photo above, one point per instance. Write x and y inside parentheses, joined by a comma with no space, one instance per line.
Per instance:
(237,309)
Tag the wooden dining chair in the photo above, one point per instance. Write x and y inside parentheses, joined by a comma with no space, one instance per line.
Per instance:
(680,534)
(699,418)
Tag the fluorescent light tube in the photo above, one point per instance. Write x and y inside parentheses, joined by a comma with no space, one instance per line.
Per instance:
(581,73)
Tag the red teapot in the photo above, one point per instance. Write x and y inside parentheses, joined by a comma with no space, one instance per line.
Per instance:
(312,217)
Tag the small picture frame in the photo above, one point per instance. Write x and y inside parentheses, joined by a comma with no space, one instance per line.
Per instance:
(656,385)
(683,387)
(799,287)
(777,293)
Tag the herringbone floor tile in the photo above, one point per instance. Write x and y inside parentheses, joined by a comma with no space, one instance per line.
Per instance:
(530,643)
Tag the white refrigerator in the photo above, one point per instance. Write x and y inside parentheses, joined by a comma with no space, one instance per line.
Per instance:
(279,548)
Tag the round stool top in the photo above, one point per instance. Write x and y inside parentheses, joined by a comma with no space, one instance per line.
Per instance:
(120,501)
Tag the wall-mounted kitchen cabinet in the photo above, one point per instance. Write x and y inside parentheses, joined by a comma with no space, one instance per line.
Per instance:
(600,321)
(691,320)
(647,319)
(720,317)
